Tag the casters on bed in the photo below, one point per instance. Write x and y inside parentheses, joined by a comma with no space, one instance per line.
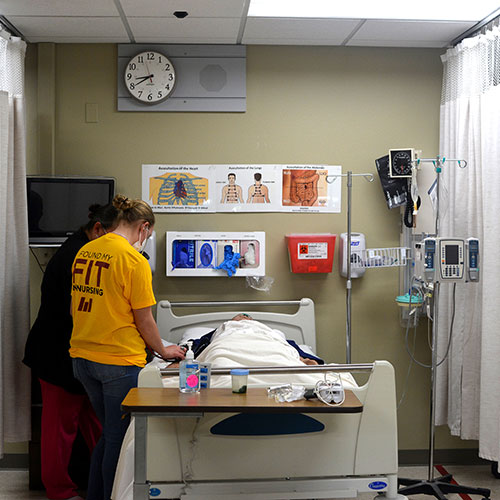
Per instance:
(438,487)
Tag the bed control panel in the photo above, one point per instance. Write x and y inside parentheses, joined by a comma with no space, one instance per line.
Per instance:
(237,254)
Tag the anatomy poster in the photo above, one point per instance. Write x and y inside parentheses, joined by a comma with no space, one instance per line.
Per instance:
(242,188)
(178,188)
(311,188)
(248,188)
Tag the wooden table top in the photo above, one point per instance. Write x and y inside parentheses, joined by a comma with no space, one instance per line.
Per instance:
(255,400)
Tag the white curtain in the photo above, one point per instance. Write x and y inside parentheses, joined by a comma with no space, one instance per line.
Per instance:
(468,400)
(14,280)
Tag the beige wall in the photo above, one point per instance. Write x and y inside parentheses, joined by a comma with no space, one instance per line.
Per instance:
(314,105)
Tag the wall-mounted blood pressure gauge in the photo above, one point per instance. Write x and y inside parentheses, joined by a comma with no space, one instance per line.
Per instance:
(400,162)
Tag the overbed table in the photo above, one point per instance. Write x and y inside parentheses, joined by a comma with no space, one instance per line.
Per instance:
(144,402)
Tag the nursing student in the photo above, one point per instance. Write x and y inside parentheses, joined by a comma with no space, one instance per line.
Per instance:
(112,295)
(66,406)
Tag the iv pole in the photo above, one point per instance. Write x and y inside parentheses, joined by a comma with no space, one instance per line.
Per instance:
(438,168)
(330,179)
(436,487)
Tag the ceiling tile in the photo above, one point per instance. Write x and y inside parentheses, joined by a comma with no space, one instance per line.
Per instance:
(79,39)
(195,8)
(210,21)
(390,33)
(290,31)
(185,40)
(83,27)
(87,8)
(196,30)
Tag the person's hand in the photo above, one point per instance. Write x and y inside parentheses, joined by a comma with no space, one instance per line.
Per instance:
(308,361)
(173,352)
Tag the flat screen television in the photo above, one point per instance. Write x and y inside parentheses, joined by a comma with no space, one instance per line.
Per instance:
(59,206)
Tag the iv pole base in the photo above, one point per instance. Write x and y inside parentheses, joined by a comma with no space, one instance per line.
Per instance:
(438,487)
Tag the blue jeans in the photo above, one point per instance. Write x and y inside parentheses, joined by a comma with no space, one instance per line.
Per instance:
(106,386)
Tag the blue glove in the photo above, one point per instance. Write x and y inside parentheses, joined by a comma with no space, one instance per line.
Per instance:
(230,264)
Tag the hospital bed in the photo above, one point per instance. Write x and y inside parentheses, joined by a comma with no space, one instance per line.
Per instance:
(339,456)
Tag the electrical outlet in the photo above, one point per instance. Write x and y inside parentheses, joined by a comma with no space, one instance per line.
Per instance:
(43,255)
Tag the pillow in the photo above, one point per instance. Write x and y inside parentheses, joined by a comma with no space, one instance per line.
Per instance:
(195,332)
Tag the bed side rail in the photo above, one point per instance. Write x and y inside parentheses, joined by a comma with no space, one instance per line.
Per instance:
(259,370)
(150,376)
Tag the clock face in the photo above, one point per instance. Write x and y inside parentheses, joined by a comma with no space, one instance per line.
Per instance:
(401,162)
(150,77)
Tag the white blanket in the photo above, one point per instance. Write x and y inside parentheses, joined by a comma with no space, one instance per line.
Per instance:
(251,343)
(235,343)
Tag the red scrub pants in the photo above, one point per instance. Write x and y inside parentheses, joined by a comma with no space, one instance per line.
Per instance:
(63,413)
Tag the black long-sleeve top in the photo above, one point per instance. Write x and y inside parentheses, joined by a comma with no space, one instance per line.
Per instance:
(46,351)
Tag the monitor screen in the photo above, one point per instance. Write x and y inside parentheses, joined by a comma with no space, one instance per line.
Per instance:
(58,206)
(451,254)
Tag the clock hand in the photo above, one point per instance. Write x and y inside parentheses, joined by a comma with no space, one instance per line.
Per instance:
(142,78)
(147,67)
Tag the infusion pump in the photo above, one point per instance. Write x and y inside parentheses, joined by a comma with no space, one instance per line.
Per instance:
(450,259)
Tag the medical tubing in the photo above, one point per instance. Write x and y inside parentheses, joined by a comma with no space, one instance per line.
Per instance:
(262,370)
(429,335)
(328,385)
(187,473)
(410,365)
(450,335)
(424,365)
(405,387)
(408,215)
(181,468)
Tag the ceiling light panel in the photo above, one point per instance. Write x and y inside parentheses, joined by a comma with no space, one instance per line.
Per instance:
(194,8)
(89,8)
(382,9)
(407,33)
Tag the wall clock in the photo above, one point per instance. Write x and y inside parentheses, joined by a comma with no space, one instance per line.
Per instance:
(400,162)
(150,77)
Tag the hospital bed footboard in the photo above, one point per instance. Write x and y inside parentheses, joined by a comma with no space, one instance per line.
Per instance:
(320,455)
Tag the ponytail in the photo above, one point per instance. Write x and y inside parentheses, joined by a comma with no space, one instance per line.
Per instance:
(106,215)
(131,211)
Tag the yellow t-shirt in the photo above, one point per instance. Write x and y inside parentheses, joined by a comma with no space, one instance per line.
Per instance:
(110,279)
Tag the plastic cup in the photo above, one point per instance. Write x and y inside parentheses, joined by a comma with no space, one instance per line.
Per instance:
(239,378)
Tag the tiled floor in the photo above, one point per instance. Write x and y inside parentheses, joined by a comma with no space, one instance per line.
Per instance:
(14,484)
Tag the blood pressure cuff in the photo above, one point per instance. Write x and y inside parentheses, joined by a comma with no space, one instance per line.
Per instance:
(395,190)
